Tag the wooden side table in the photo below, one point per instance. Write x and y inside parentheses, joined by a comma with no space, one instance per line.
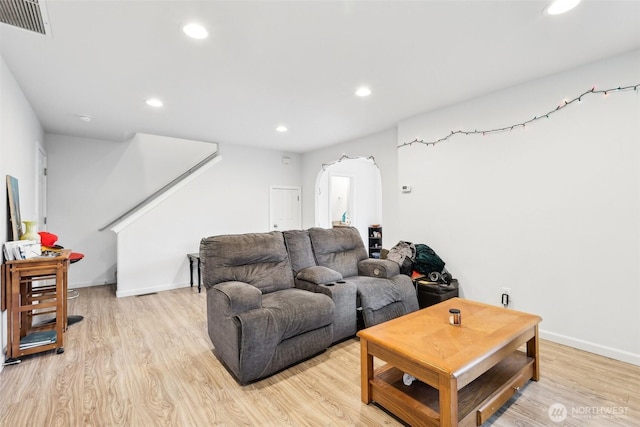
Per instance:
(194,257)
(35,288)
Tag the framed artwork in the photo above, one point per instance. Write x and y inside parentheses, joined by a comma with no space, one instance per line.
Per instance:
(13,208)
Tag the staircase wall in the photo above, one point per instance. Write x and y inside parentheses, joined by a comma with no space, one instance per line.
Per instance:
(149,255)
(91,182)
(232,196)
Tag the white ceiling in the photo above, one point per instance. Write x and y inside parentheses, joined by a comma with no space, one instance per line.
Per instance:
(296,63)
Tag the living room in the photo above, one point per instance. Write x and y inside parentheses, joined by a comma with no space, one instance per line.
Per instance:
(548,210)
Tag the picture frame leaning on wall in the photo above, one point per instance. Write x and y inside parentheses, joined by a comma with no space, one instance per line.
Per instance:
(13,209)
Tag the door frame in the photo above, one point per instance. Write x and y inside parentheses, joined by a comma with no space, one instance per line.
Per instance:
(41,187)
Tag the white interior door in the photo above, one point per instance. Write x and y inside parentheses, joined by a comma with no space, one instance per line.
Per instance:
(285,212)
(41,191)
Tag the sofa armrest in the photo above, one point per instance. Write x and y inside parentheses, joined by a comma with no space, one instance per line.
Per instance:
(319,275)
(227,304)
(236,297)
(378,268)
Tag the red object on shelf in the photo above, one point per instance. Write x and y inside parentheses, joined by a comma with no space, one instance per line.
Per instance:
(75,257)
(47,239)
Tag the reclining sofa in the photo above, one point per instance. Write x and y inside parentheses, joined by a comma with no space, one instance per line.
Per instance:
(277,298)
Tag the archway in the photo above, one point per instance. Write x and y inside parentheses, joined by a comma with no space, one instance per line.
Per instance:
(356,190)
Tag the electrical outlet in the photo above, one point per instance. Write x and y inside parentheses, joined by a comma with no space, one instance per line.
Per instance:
(505,298)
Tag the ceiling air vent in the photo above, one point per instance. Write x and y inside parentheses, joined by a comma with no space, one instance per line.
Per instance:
(28,14)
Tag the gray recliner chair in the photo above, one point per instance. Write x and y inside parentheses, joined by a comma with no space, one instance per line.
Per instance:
(258,321)
(337,257)
(383,293)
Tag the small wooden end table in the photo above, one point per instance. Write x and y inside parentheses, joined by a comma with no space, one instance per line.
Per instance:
(465,373)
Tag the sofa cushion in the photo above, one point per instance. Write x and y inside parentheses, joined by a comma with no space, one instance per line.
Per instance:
(259,259)
(299,248)
(319,275)
(295,311)
(339,249)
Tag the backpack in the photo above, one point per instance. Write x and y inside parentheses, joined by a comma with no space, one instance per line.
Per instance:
(403,253)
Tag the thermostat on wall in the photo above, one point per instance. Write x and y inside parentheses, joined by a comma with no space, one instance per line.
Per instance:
(406,189)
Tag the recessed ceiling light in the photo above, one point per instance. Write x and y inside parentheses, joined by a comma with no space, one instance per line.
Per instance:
(195,31)
(282,128)
(85,117)
(363,91)
(154,102)
(561,6)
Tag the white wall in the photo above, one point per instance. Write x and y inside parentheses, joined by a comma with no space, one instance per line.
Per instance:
(91,182)
(232,196)
(551,212)
(20,136)
(382,147)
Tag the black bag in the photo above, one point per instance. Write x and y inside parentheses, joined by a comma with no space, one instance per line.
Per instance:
(406,267)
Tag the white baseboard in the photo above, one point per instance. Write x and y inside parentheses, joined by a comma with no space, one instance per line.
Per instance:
(85,285)
(150,290)
(613,353)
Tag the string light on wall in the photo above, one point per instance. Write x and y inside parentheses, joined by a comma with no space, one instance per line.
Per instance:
(345,157)
(564,104)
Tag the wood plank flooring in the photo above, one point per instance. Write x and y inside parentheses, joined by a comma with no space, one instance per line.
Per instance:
(148,361)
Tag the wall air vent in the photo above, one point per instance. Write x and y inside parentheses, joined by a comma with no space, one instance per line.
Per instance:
(28,14)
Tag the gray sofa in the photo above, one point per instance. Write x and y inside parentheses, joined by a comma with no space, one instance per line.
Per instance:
(275,299)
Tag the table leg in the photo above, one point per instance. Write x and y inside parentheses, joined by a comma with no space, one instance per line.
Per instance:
(448,388)
(533,350)
(366,373)
(191,271)
(13,317)
(199,277)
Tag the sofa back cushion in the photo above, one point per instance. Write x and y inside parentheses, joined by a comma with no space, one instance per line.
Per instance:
(299,248)
(339,249)
(259,259)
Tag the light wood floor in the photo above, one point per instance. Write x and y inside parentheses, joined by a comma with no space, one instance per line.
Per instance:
(148,361)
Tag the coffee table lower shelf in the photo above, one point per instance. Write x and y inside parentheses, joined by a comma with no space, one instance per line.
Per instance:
(418,404)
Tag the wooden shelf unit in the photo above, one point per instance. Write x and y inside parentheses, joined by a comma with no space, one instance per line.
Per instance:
(375,242)
(35,289)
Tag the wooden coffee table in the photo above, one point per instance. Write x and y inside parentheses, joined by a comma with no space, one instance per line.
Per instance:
(465,373)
